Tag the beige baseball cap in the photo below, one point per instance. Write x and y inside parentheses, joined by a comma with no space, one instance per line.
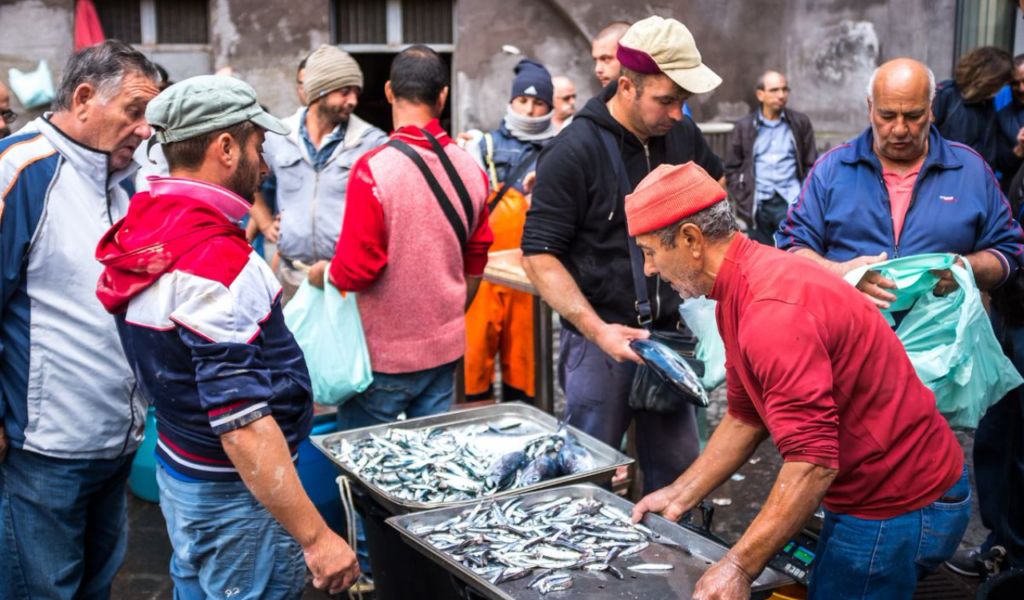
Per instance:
(658,45)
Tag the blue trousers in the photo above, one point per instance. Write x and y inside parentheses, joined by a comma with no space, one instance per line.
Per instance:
(63,525)
(862,559)
(226,544)
(597,402)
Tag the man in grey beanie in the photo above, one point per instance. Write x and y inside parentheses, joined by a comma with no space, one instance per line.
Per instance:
(310,166)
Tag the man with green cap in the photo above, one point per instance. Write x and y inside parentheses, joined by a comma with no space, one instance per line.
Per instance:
(199,316)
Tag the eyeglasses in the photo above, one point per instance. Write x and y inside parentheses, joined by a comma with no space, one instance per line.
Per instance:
(781,90)
(567,98)
(9,116)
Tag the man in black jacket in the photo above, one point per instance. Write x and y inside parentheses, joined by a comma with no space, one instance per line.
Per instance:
(770,154)
(575,238)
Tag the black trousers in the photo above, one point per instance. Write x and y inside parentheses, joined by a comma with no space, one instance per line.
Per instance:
(767,219)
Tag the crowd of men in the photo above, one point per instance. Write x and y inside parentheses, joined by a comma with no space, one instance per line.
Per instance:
(122,288)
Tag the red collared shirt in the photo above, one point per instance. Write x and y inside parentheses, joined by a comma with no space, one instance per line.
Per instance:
(812,360)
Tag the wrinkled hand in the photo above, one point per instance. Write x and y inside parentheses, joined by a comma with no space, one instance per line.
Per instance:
(332,562)
(724,581)
(860,261)
(946,284)
(874,287)
(272,231)
(615,339)
(3,444)
(316,273)
(666,502)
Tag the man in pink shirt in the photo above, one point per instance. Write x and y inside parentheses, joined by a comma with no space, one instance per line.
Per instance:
(833,387)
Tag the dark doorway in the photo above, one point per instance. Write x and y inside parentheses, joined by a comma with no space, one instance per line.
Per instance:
(373,106)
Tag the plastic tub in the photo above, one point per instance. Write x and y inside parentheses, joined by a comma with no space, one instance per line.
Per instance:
(1008,585)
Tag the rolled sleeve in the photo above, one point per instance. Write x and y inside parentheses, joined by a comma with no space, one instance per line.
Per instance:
(561,189)
(792,365)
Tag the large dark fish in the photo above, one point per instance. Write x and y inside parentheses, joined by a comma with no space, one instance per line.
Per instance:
(672,369)
(543,467)
(503,472)
(574,458)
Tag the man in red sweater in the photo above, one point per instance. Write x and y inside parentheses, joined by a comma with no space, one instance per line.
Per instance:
(812,363)
(414,257)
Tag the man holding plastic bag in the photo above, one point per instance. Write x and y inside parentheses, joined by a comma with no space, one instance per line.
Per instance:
(812,363)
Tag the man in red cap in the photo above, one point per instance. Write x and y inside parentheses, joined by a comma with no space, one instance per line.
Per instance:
(833,387)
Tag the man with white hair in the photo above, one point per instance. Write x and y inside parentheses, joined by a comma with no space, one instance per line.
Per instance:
(565,101)
(900,189)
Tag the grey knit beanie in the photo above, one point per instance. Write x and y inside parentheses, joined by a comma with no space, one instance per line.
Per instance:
(330,69)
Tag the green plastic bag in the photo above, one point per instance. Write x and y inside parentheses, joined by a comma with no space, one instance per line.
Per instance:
(949,338)
(328,329)
(699,316)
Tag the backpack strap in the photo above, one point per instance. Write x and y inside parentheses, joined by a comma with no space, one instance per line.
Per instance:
(453,175)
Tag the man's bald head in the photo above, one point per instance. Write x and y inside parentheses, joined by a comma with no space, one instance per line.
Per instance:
(903,76)
(604,50)
(614,31)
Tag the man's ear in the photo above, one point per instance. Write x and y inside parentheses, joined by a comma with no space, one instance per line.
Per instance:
(442,99)
(81,98)
(390,95)
(692,239)
(225,150)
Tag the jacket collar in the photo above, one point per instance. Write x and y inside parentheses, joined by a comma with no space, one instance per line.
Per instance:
(230,204)
(412,135)
(940,155)
(90,163)
(354,131)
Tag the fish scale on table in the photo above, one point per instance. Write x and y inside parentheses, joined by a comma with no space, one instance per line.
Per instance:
(435,465)
(505,541)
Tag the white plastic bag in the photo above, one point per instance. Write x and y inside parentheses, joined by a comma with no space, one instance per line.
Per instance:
(33,89)
(699,316)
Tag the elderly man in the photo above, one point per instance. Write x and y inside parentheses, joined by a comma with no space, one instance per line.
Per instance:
(311,165)
(71,416)
(577,253)
(900,189)
(565,101)
(770,154)
(7,116)
(834,389)
(199,315)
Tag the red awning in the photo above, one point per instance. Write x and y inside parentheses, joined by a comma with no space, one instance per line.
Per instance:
(88,30)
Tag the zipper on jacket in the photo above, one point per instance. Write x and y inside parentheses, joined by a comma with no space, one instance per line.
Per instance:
(892,221)
(647,155)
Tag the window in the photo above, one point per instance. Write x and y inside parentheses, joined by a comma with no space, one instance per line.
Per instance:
(984,23)
(154,22)
(387,25)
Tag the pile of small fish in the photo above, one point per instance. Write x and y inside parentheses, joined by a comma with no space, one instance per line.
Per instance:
(436,465)
(507,541)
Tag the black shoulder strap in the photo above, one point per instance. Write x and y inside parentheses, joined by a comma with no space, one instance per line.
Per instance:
(453,175)
(449,210)
(636,256)
(525,161)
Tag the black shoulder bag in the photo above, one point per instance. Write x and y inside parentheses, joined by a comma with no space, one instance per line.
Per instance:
(650,392)
(460,188)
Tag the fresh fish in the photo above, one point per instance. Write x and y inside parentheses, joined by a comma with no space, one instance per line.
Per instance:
(503,471)
(651,567)
(672,369)
(555,582)
(574,458)
(541,468)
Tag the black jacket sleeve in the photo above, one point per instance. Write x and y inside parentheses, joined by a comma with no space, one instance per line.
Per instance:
(703,156)
(559,198)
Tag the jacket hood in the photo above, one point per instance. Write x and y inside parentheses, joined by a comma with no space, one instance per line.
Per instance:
(156,233)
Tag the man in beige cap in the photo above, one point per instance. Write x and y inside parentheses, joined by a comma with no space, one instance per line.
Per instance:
(199,316)
(575,243)
(310,166)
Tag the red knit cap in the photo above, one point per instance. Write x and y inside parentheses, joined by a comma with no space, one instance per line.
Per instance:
(668,194)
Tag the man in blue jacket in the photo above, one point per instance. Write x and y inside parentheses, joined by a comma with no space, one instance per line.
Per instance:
(900,189)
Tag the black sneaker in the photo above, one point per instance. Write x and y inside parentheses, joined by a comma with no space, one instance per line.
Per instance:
(965,562)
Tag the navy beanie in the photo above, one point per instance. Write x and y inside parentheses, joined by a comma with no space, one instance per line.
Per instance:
(532,79)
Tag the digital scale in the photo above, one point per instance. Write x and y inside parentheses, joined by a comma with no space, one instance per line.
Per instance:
(796,558)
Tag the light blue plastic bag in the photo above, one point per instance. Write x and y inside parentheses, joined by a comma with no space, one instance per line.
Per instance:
(699,316)
(328,329)
(949,338)
(34,88)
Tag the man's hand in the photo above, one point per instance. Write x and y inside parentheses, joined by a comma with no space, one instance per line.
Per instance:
(3,444)
(528,181)
(332,562)
(861,261)
(1018,150)
(874,287)
(316,273)
(946,284)
(272,231)
(724,581)
(615,339)
(667,502)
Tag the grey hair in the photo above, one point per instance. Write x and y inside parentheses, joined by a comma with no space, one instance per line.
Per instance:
(716,222)
(104,67)
(874,75)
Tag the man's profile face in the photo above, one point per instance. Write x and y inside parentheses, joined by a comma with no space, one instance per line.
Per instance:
(901,115)
(565,99)
(676,265)
(252,169)
(339,105)
(656,108)
(606,65)
(117,124)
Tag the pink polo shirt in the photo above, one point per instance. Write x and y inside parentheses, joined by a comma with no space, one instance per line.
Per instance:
(901,188)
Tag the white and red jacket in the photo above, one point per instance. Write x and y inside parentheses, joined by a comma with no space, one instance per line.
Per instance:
(401,254)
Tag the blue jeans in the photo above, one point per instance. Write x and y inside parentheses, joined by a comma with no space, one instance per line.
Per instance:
(597,401)
(63,525)
(226,544)
(861,559)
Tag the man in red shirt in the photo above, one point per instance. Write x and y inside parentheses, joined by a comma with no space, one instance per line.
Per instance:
(811,362)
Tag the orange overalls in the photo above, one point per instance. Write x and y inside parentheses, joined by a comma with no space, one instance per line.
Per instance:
(501,319)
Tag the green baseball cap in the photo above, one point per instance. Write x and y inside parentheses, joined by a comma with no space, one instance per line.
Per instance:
(203,104)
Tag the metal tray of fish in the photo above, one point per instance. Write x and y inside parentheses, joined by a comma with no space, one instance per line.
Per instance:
(667,567)
(525,423)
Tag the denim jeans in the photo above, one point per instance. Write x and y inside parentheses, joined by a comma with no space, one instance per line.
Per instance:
(226,544)
(861,559)
(597,401)
(63,525)
(417,394)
